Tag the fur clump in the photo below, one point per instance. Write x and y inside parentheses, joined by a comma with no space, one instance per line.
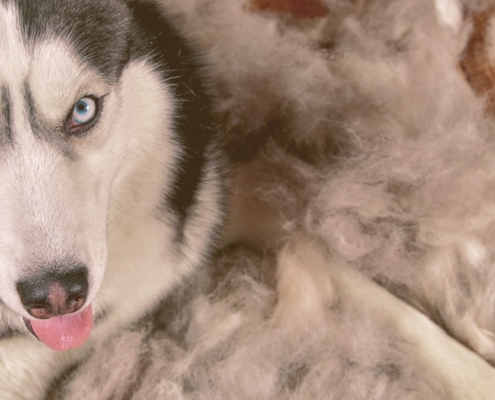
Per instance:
(411,203)
(226,335)
(360,131)
(387,132)
(368,109)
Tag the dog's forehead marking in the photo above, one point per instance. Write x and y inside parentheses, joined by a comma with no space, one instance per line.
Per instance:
(39,80)
(14,59)
(14,62)
(5,119)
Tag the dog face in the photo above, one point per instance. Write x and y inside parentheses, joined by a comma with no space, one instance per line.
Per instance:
(69,100)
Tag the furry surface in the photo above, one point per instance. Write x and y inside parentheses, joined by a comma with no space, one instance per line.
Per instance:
(359,131)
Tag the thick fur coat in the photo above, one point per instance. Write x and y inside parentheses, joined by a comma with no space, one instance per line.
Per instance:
(358,258)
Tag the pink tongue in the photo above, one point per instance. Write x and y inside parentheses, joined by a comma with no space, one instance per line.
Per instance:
(64,332)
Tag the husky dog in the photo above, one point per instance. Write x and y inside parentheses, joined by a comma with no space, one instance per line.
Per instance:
(111,182)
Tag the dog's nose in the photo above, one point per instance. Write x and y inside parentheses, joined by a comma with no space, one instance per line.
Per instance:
(57,292)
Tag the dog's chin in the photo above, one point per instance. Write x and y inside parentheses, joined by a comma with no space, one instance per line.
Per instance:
(63,332)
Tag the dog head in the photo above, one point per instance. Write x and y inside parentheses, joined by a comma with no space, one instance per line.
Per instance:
(67,107)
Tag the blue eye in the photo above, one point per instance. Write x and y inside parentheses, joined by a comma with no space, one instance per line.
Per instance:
(84,112)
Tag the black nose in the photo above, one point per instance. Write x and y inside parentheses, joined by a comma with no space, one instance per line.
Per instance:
(57,292)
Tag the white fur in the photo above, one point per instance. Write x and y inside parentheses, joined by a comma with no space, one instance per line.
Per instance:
(449,13)
(13,67)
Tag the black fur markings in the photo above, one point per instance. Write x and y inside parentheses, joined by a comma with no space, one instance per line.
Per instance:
(159,40)
(33,118)
(98,29)
(10,333)
(6,135)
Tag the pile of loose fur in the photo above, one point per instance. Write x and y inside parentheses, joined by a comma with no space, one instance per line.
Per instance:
(359,131)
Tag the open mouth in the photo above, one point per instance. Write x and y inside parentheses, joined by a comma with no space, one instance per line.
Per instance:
(63,332)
